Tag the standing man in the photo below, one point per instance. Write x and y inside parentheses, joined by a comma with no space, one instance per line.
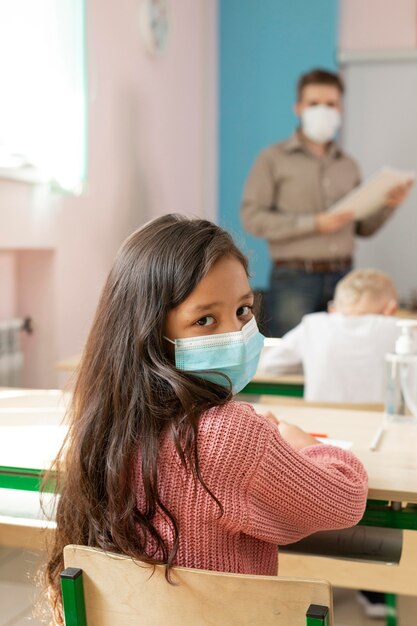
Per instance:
(290,188)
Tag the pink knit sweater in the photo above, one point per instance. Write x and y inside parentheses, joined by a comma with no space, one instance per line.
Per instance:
(271,493)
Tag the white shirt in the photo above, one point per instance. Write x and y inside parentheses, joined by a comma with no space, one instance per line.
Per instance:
(343,357)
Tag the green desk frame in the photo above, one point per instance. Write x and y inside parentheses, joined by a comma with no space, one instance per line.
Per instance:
(261,388)
(24,479)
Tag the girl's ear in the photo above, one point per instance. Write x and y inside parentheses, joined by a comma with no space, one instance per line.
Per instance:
(390,308)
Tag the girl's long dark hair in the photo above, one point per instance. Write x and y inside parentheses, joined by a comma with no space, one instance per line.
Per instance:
(128,391)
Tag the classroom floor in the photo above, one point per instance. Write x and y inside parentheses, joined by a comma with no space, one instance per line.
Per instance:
(17,591)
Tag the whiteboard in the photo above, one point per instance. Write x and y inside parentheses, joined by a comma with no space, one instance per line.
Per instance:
(380,128)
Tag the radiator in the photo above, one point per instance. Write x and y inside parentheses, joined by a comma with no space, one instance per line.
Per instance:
(11,356)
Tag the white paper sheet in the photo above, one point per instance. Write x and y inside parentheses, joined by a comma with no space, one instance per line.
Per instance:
(370,197)
(339,443)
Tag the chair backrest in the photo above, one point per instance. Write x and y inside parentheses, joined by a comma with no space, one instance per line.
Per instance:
(119,591)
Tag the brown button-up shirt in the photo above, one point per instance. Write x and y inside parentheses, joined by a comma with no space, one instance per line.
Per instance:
(287,187)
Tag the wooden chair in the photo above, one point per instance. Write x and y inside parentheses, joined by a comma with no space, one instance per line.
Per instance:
(104,589)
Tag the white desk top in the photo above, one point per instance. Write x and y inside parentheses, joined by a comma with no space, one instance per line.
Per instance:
(392,468)
(31,426)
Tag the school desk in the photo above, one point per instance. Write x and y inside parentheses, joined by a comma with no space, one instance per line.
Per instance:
(31,431)
(392,499)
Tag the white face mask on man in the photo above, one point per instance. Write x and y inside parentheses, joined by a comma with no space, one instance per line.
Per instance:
(320,123)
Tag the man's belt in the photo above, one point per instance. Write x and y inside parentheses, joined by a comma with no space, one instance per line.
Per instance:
(316,265)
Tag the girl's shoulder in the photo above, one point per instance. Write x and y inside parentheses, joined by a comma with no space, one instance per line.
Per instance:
(233,435)
(234,415)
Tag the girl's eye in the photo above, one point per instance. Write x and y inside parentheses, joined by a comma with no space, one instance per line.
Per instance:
(207,320)
(244,311)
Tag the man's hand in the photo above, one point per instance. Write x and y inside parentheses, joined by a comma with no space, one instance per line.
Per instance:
(398,194)
(327,223)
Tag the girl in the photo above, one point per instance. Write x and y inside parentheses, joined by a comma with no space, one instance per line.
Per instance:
(161,463)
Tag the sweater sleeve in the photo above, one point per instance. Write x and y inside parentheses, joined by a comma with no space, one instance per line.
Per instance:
(295,493)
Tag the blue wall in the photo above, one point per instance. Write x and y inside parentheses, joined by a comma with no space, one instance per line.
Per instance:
(264,46)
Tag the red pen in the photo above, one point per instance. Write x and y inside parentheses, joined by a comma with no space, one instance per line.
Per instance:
(316,435)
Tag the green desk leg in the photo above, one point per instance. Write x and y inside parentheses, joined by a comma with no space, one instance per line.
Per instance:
(73,597)
(317,615)
(391,604)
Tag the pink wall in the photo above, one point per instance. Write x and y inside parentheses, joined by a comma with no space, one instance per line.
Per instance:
(35,270)
(8,285)
(152,149)
(375,24)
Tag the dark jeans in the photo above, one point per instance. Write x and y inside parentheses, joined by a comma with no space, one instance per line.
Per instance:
(295,292)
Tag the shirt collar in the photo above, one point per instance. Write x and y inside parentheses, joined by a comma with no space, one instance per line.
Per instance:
(296,144)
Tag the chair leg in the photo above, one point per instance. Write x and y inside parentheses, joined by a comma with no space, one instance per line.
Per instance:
(73,597)
(317,615)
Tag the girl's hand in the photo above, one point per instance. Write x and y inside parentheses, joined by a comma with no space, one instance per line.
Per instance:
(269,416)
(296,437)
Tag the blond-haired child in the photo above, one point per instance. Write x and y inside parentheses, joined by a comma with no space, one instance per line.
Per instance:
(342,352)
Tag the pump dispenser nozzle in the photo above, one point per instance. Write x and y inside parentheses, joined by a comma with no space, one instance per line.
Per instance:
(406,342)
(401,368)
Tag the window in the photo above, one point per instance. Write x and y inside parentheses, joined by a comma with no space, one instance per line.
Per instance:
(43,91)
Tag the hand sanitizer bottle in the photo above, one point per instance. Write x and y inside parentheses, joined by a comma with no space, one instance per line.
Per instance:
(401,384)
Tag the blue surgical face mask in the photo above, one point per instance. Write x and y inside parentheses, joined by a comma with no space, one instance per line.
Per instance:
(234,354)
